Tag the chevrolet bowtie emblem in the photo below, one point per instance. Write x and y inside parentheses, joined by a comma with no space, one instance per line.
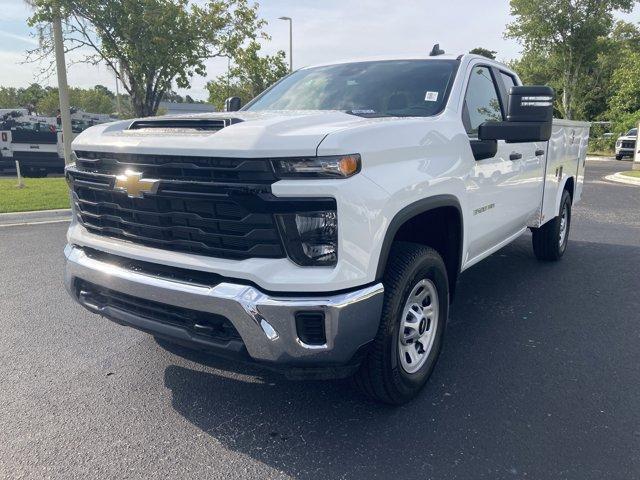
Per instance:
(134,185)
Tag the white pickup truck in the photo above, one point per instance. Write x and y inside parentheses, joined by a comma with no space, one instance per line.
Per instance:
(321,229)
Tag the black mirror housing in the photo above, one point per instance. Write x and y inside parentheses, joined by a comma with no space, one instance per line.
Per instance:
(532,103)
(232,104)
(529,116)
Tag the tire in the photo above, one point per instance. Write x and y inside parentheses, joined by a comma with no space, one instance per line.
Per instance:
(384,376)
(618,157)
(550,240)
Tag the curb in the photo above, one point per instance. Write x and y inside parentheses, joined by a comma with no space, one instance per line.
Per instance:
(35,218)
(598,158)
(619,178)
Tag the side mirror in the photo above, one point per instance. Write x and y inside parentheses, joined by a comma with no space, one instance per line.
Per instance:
(529,117)
(232,104)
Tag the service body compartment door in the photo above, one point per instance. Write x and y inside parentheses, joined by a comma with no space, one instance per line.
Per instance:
(566,154)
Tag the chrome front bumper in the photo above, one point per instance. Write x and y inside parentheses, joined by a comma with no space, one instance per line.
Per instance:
(266,322)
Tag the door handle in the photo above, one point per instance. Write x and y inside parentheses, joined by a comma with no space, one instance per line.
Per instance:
(539,152)
(515,156)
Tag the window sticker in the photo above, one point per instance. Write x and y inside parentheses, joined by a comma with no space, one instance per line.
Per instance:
(431,97)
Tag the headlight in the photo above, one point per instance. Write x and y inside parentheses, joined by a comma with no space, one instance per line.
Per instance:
(339,166)
(311,238)
(618,143)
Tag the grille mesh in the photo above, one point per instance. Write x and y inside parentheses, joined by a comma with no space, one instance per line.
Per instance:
(200,207)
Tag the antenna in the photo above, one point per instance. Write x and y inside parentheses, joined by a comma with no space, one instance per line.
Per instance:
(435,51)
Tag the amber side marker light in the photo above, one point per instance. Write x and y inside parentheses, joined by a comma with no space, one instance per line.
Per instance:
(349,165)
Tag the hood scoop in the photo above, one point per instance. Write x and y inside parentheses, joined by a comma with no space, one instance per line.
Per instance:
(182,125)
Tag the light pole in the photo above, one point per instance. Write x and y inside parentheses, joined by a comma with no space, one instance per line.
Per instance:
(290,41)
(63,88)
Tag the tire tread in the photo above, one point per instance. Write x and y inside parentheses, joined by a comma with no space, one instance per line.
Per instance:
(373,379)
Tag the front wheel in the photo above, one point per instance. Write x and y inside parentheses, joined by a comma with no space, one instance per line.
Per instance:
(550,240)
(618,157)
(414,315)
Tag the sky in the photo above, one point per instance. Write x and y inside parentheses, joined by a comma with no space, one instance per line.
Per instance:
(323,31)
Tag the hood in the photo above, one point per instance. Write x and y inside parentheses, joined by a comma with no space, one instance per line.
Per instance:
(242,134)
(627,138)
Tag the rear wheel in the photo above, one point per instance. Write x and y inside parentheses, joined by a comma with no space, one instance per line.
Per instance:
(550,240)
(414,314)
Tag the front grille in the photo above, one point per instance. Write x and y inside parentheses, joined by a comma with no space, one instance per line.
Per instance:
(205,324)
(180,167)
(628,144)
(200,206)
(215,225)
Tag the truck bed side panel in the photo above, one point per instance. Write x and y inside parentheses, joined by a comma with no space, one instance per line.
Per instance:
(566,155)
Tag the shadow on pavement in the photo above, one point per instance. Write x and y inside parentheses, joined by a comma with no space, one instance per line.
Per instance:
(538,379)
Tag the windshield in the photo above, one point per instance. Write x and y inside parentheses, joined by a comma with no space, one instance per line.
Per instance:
(382,88)
(632,133)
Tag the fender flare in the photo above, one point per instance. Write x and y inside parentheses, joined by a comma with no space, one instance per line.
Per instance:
(408,212)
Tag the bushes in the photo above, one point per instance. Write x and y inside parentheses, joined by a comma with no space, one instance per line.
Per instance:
(602,145)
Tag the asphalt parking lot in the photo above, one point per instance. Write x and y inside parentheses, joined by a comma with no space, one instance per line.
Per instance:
(540,378)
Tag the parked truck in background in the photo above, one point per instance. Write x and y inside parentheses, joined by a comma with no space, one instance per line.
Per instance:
(626,144)
(36,141)
(321,229)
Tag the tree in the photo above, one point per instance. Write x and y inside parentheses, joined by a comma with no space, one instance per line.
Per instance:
(625,83)
(90,100)
(597,88)
(9,97)
(150,44)
(30,97)
(484,52)
(249,76)
(566,32)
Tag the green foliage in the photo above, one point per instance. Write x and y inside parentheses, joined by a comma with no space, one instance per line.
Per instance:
(28,97)
(484,52)
(45,101)
(151,44)
(249,76)
(9,97)
(565,33)
(602,145)
(625,84)
(95,100)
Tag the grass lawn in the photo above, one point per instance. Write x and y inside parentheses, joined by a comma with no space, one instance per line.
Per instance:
(634,173)
(37,194)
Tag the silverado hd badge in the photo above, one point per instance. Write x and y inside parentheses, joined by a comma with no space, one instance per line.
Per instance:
(134,185)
